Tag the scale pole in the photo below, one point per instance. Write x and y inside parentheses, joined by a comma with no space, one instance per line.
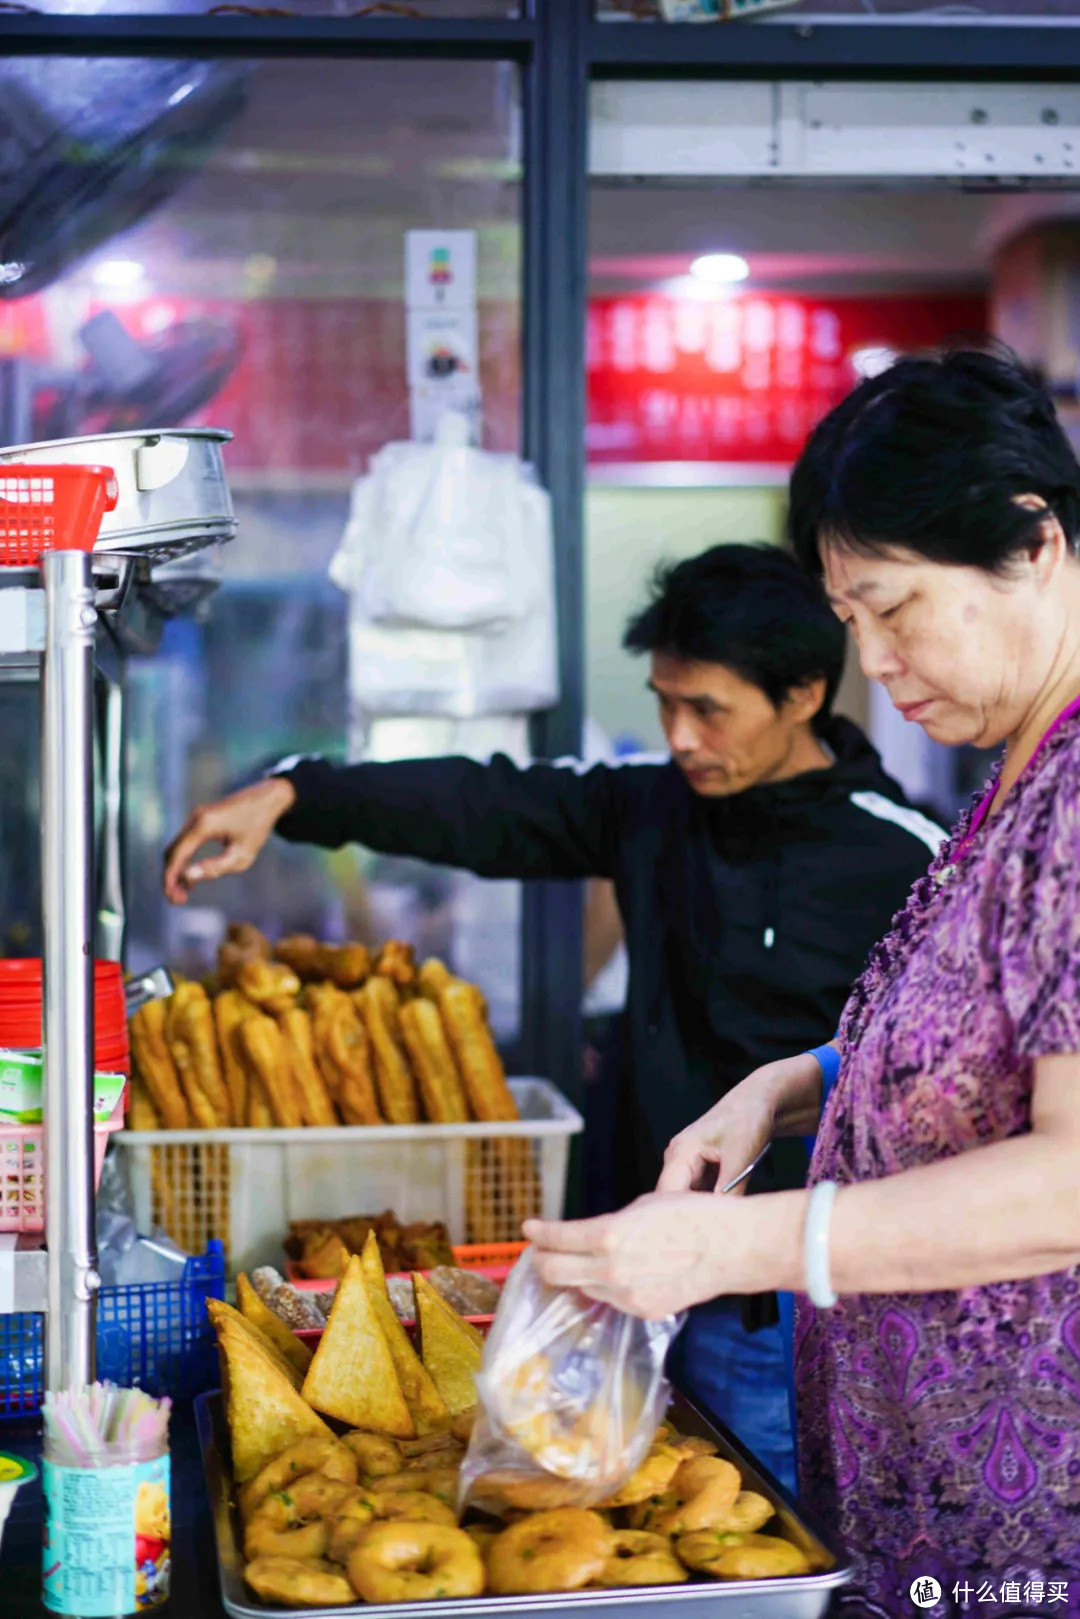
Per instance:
(67,885)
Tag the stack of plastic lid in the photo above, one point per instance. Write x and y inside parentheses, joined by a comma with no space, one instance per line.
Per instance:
(20,1012)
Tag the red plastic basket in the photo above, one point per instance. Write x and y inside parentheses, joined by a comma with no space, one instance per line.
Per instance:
(51,508)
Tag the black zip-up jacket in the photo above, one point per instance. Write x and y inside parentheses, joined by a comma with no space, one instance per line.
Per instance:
(747,918)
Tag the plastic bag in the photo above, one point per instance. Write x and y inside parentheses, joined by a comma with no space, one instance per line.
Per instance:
(571,1395)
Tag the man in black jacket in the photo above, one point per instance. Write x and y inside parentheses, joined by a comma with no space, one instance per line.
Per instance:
(754,867)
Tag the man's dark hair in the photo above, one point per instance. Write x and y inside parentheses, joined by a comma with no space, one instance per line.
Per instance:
(930,455)
(751,608)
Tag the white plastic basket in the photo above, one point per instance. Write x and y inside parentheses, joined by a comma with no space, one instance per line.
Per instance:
(245,1186)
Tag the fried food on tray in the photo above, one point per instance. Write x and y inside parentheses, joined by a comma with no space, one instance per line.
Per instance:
(269,985)
(304,1500)
(415,1562)
(294,1583)
(563,1550)
(381,1011)
(242,943)
(426,1406)
(192,1040)
(451,1349)
(377,1455)
(308,1084)
(700,1496)
(264,1320)
(230,1010)
(441,1482)
(154,1061)
(415,1506)
(265,1413)
(318,1454)
(223,1316)
(749,1513)
(433,1062)
(261,1539)
(266,1056)
(348,1526)
(466,1291)
(352,1376)
(740,1557)
(651,1478)
(371,1260)
(639,1558)
(424,1245)
(302,953)
(397,962)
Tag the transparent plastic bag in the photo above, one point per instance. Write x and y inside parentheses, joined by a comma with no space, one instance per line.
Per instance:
(571,1394)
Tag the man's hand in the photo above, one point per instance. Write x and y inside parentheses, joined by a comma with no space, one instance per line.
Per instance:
(241,824)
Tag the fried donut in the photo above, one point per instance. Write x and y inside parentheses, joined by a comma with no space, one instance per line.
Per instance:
(652,1477)
(483,1536)
(298,1584)
(528,1491)
(749,1513)
(740,1557)
(414,1506)
(319,1454)
(348,1526)
(431,1450)
(553,1551)
(310,1497)
(261,1539)
(441,1482)
(415,1562)
(700,1495)
(640,1558)
(691,1445)
(377,1456)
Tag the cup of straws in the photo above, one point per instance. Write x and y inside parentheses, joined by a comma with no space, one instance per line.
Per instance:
(107,1515)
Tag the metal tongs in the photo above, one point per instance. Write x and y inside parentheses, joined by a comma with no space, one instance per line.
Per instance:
(744,1174)
(155,985)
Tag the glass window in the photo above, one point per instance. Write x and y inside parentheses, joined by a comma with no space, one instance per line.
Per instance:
(248,272)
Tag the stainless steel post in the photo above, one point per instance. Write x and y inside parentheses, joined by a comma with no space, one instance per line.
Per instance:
(67,886)
(109,932)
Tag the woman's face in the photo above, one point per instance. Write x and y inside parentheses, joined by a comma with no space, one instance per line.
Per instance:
(962,652)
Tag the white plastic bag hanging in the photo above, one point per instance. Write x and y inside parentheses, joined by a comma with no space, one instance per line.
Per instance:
(440,536)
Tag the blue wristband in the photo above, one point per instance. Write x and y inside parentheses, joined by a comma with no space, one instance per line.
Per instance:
(828,1059)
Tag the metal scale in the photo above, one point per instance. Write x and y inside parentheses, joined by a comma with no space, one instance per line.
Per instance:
(165,497)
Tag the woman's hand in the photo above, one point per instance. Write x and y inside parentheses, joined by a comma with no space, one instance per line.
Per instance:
(780,1098)
(241,824)
(664,1253)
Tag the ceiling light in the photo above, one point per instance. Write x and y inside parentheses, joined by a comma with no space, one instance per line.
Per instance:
(872,360)
(181,94)
(720,268)
(695,290)
(118,273)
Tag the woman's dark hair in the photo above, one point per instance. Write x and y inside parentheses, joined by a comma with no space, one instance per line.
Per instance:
(751,608)
(930,455)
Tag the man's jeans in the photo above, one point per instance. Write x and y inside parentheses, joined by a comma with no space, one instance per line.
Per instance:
(741,1377)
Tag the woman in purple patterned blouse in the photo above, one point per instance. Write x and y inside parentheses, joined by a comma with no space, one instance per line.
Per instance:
(938,1368)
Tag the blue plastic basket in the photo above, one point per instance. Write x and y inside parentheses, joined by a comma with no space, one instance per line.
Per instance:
(150,1335)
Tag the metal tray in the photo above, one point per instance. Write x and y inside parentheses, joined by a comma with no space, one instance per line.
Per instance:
(804,1596)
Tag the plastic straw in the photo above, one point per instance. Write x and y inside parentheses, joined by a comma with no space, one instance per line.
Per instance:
(94,1426)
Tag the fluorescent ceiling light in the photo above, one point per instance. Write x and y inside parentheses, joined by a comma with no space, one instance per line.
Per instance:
(697,291)
(118,273)
(720,268)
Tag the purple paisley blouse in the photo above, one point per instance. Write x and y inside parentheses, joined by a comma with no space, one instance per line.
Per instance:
(939,1433)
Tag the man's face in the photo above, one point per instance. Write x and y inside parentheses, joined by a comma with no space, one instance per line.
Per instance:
(723,732)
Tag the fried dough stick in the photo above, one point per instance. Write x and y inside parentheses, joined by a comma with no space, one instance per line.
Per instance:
(155,1064)
(267,1057)
(192,1039)
(230,1010)
(380,1009)
(433,1063)
(315,1104)
(343,1054)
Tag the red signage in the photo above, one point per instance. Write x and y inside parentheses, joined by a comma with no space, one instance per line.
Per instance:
(742,379)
